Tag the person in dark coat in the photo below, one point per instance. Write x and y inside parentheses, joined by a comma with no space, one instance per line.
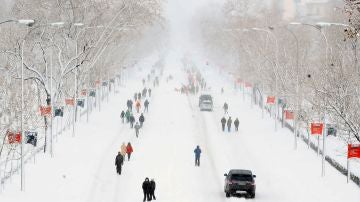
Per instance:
(236,124)
(135,97)
(141,119)
(127,116)
(122,115)
(119,160)
(225,107)
(146,189)
(152,189)
(137,129)
(132,120)
(223,122)
(139,96)
(229,122)
(146,105)
(144,92)
(149,90)
(197,152)
(129,104)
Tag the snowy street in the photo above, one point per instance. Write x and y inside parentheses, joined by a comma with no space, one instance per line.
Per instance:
(83,167)
(188,101)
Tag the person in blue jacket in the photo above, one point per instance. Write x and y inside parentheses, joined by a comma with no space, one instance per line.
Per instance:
(197,152)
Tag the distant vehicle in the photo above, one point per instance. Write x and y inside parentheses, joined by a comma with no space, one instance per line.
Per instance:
(205,102)
(240,181)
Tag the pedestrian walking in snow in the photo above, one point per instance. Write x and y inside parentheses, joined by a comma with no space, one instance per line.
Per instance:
(222,90)
(223,122)
(143,81)
(123,149)
(132,120)
(141,120)
(129,104)
(146,105)
(146,189)
(152,189)
(127,116)
(229,122)
(119,160)
(139,96)
(129,150)
(138,105)
(149,91)
(122,115)
(135,97)
(144,92)
(197,152)
(225,107)
(137,128)
(236,124)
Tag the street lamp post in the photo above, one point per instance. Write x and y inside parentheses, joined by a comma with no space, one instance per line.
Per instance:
(275,70)
(319,27)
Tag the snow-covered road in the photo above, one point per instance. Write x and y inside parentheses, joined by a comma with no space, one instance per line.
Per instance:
(83,167)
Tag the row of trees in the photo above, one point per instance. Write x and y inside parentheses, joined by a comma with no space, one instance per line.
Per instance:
(313,66)
(71,45)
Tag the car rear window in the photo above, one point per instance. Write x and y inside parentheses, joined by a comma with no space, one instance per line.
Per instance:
(241,177)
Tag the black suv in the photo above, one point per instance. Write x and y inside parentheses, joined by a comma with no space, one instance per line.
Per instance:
(240,181)
(205,97)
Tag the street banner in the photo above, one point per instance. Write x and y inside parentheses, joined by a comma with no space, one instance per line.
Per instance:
(31,137)
(45,110)
(69,101)
(83,92)
(289,115)
(270,100)
(13,138)
(247,85)
(316,128)
(97,82)
(80,102)
(353,151)
(92,93)
(59,111)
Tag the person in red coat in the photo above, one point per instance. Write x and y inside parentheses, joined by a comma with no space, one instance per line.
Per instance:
(129,150)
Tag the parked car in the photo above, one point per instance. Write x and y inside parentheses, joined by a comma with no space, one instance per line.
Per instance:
(238,182)
(206,102)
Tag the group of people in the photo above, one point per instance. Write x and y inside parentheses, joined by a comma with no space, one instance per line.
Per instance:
(120,158)
(149,189)
(229,121)
(126,150)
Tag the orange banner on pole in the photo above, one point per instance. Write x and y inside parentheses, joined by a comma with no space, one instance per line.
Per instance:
(84,92)
(289,115)
(45,110)
(316,128)
(69,101)
(270,100)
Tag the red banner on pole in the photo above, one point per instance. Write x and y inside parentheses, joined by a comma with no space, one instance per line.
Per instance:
(247,84)
(239,80)
(13,138)
(97,82)
(83,92)
(270,100)
(45,110)
(316,128)
(69,101)
(289,115)
(353,151)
